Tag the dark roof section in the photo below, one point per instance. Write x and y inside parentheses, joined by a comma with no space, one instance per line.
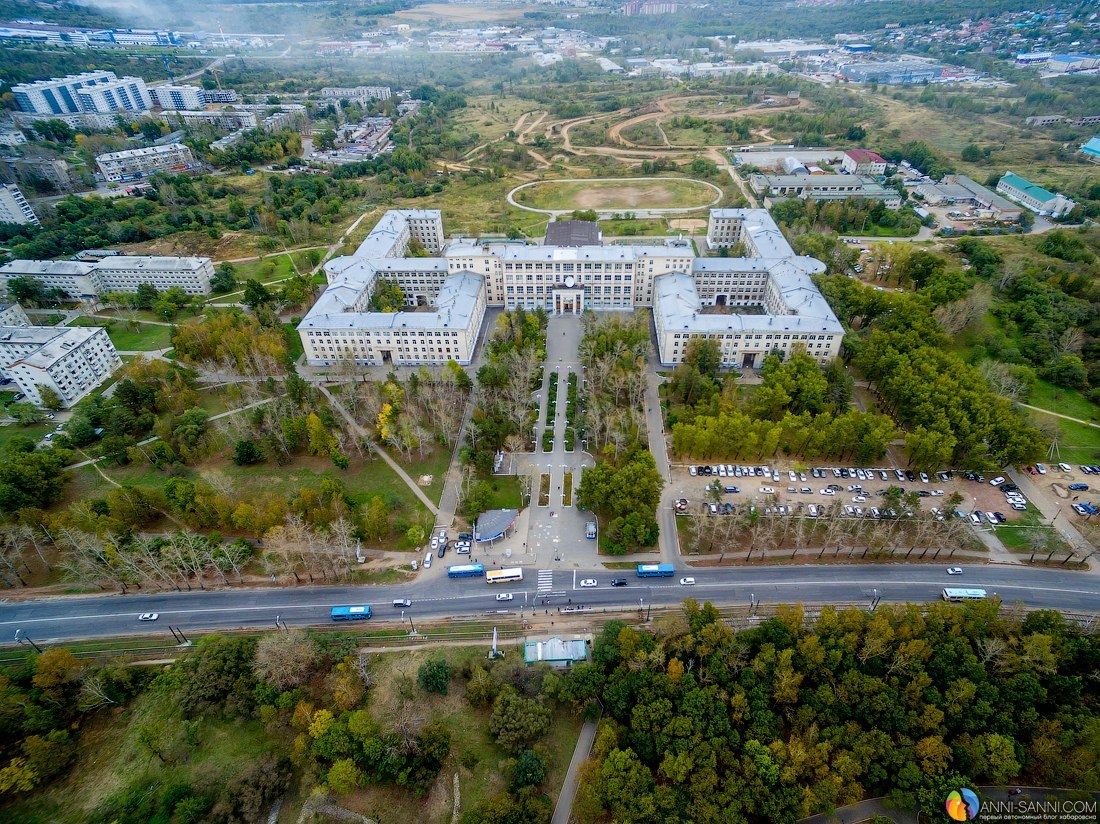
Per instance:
(493,523)
(572,233)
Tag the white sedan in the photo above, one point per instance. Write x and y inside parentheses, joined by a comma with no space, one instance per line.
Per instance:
(954,571)
(767,490)
(589,582)
(687,582)
(504,596)
(148,616)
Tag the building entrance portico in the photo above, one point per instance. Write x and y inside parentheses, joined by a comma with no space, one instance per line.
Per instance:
(568,298)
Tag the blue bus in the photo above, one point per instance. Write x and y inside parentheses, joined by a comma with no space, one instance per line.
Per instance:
(466,571)
(350,613)
(655,570)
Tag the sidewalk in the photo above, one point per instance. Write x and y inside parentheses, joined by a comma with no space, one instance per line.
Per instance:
(564,808)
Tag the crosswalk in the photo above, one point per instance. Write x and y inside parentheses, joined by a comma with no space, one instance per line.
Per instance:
(545,580)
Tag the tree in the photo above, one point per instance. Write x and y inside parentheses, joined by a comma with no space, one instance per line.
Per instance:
(25,413)
(528,770)
(256,295)
(55,669)
(247,452)
(343,776)
(225,278)
(517,722)
(50,399)
(285,660)
(26,290)
(376,521)
(434,675)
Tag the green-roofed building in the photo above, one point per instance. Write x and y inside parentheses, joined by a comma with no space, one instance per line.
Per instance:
(1034,197)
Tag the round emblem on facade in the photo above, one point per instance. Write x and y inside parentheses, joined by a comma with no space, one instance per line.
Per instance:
(570,281)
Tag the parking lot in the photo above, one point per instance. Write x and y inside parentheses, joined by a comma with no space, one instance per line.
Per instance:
(792,488)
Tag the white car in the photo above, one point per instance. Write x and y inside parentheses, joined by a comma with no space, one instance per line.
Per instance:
(435,542)
(687,582)
(428,561)
(859,499)
(589,582)
(463,550)
(954,570)
(937,493)
(442,535)
(924,477)
(692,470)
(767,490)
(504,596)
(997,481)
(148,616)
(828,491)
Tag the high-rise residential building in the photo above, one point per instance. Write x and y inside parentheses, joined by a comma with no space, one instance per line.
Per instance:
(12,314)
(14,207)
(134,163)
(59,95)
(356,92)
(91,92)
(171,96)
(71,361)
(126,94)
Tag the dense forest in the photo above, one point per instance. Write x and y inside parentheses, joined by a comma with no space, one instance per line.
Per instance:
(795,717)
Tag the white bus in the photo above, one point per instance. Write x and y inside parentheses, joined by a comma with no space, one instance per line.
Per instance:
(503,576)
(952,594)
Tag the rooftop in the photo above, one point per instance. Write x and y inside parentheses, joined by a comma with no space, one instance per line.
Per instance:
(572,233)
(58,344)
(555,651)
(493,523)
(1027,187)
(1092,147)
(865,156)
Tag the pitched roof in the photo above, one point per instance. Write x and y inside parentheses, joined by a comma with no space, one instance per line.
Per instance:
(1027,187)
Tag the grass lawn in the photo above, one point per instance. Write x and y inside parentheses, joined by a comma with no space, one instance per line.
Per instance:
(144,338)
(275,267)
(294,341)
(623,195)
(35,430)
(506,492)
(630,228)
(1064,401)
(1079,443)
(434,463)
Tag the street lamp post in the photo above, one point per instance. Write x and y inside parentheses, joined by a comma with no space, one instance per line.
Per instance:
(23,639)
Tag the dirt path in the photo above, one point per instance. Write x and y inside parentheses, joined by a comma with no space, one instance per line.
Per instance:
(663,111)
(1058,415)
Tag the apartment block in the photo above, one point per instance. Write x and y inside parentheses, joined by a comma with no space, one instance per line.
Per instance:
(136,163)
(70,361)
(12,314)
(14,207)
(171,96)
(60,95)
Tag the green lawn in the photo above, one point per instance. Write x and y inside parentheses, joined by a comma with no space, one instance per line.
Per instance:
(272,267)
(36,431)
(631,228)
(506,492)
(1064,401)
(294,341)
(435,463)
(1078,443)
(144,337)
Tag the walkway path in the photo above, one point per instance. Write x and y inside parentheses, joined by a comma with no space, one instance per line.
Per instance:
(362,433)
(564,808)
(667,537)
(1057,414)
(863,811)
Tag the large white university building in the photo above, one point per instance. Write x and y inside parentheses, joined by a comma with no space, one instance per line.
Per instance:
(751,305)
(118,273)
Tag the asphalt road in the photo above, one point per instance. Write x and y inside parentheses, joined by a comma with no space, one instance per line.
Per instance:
(70,618)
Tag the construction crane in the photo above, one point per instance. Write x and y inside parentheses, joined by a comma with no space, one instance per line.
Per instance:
(214,70)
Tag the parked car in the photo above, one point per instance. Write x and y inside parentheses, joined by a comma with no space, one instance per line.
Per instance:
(1065,467)
(976,518)
(1042,470)
(1079,487)
(692,471)
(767,490)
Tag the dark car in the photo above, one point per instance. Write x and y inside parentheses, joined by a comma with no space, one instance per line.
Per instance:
(618,582)
(442,550)
(1079,487)
(1009,488)
(910,475)
(465,536)
(1001,519)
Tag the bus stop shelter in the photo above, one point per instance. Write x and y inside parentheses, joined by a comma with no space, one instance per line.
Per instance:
(494,524)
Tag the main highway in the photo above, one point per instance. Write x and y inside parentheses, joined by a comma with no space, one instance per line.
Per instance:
(69,618)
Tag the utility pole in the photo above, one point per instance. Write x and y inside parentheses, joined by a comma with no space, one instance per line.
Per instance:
(23,639)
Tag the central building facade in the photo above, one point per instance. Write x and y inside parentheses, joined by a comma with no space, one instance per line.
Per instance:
(751,305)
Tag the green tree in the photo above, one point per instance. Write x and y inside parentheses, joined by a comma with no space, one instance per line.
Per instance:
(50,399)
(434,675)
(517,722)
(256,295)
(343,776)
(225,278)
(25,413)
(376,521)
(528,770)
(247,452)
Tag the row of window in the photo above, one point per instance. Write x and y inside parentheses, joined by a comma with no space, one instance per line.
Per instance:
(689,336)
